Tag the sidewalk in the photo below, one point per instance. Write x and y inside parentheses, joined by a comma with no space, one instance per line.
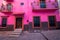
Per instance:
(50,35)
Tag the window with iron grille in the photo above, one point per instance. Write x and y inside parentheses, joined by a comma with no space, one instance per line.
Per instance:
(2,7)
(4,22)
(9,7)
(52,21)
(36,20)
(42,4)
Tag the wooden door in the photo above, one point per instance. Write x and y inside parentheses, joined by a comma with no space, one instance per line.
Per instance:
(18,22)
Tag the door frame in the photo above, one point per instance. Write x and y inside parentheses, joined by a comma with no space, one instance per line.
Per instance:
(15,22)
(33,22)
(55,22)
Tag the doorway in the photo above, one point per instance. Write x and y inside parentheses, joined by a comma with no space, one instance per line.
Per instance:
(18,22)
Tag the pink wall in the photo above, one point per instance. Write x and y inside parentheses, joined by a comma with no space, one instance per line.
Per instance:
(27,8)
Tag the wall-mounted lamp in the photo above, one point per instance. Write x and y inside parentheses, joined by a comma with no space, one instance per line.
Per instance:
(27,20)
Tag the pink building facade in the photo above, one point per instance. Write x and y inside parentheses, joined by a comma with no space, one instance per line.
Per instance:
(29,15)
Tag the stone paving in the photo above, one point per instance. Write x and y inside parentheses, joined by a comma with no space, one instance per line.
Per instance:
(50,35)
(31,36)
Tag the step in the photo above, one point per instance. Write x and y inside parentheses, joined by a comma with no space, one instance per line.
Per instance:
(17,29)
(13,35)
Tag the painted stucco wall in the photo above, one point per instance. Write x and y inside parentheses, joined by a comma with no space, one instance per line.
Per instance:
(27,8)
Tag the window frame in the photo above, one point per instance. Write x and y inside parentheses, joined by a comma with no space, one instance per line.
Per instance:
(7,7)
(44,3)
(33,22)
(2,22)
(55,22)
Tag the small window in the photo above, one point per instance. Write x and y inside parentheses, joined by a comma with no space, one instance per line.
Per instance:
(36,20)
(4,22)
(42,4)
(52,21)
(9,6)
(2,7)
(22,3)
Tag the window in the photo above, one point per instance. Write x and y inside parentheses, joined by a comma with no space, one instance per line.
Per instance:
(4,22)
(52,21)
(36,20)
(2,7)
(9,6)
(42,4)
